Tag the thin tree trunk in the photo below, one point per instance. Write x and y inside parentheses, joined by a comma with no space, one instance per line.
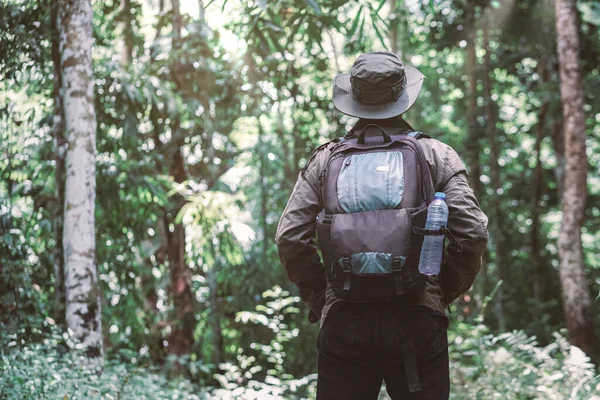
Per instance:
(473,147)
(472,143)
(497,219)
(558,143)
(536,250)
(336,57)
(130,121)
(398,21)
(182,331)
(159,25)
(60,148)
(126,21)
(215,311)
(176,21)
(263,192)
(201,13)
(82,291)
(577,303)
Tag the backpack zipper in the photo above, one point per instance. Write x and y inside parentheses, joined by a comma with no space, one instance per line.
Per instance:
(321,184)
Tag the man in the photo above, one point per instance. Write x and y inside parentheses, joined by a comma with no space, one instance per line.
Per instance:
(400,340)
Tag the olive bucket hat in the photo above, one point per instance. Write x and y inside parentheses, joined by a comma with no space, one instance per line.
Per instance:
(379,86)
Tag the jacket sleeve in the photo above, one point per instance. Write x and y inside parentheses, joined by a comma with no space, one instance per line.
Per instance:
(466,222)
(295,239)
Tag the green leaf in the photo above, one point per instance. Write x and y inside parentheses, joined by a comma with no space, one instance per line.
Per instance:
(378,32)
(381,3)
(355,22)
(383,21)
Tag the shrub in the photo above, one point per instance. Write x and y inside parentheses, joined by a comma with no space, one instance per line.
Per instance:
(512,366)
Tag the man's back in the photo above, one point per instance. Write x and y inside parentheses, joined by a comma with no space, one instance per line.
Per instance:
(466,222)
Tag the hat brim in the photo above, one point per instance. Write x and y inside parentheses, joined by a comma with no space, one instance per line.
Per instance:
(345,103)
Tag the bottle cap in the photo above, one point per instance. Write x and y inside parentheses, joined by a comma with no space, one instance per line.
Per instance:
(440,195)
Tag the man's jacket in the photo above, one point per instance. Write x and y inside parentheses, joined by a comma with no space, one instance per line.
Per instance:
(296,231)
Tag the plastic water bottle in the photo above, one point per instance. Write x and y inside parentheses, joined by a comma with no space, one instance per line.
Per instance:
(433,246)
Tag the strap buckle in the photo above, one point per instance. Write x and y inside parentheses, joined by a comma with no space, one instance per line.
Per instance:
(346,265)
(397,264)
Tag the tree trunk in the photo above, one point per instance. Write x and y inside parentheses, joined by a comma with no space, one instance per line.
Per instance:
(82,291)
(577,303)
(126,21)
(159,26)
(215,311)
(497,219)
(201,13)
(398,21)
(334,50)
(60,148)
(262,176)
(536,250)
(472,146)
(558,143)
(182,331)
(177,24)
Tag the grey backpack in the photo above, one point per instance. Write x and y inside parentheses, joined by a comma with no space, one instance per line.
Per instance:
(375,192)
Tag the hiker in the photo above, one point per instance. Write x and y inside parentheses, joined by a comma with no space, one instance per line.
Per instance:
(365,197)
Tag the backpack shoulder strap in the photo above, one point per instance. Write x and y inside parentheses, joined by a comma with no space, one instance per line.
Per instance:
(418,135)
(427,186)
(317,150)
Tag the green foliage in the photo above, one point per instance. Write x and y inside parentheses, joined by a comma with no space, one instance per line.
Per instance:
(47,370)
(263,370)
(513,365)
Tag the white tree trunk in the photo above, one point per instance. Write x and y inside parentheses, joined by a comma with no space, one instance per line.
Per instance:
(577,303)
(83,300)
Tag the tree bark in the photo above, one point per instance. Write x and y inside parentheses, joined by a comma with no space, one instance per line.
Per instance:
(397,20)
(126,21)
(497,218)
(262,173)
(472,146)
(60,148)
(558,143)
(577,303)
(182,330)
(536,250)
(82,291)
(215,311)
(201,13)
(176,21)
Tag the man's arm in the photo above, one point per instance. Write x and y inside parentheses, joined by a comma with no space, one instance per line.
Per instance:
(295,238)
(466,221)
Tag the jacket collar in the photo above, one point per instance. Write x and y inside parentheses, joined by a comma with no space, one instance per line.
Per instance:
(392,125)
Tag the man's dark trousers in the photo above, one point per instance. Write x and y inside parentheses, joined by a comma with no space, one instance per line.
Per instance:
(361,345)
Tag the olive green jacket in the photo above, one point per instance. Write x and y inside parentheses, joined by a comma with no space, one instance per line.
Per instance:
(295,236)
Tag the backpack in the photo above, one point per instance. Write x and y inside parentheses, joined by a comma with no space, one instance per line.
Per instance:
(375,192)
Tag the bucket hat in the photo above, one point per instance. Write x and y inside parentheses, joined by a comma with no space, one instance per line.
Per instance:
(379,86)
